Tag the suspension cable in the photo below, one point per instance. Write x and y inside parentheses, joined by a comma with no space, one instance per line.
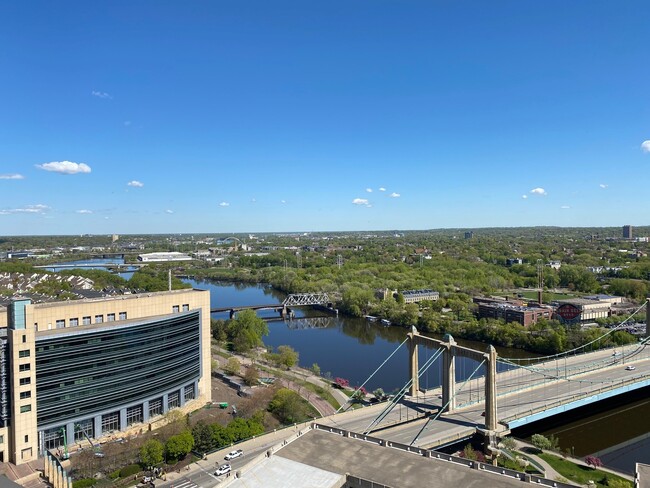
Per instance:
(373,374)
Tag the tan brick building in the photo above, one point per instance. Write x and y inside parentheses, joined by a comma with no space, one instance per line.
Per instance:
(83,369)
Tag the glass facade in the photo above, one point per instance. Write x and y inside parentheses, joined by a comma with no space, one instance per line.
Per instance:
(92,371)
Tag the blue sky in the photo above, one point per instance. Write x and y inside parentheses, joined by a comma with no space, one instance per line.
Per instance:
(253,116)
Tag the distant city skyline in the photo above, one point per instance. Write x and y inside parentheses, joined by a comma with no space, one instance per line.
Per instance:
(214,117)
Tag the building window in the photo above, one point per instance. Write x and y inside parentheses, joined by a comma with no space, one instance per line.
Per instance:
(24,367)
(186,307)
(74,322)
(24,339)
(25,381)
(53,438)
(99,319)
(26,438)
(25,395)
(155,407)
(122,315)
(2,439)
(175,309)
(110,422)
(82,429)
(25,409)
(85,320)
(189,393)
(173,400)
(110,317)
(60,324)
(134,415)
(24,353)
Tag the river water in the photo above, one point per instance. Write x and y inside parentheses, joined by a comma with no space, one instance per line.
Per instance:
(618,432)
(351,348)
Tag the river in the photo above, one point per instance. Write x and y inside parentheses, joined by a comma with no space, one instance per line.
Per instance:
(352,348)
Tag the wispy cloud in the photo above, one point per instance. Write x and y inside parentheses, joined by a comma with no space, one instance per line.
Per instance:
(224,204)
(65,167)
(524,197)
(603,185)
(135,184)
(84,211)
(538,191)
(382,188)
(361,201)
(645,146)
(394,195)
(100,94)
(369,190)
(29,209)
(12,176)
(127,123)
(169,211)
(564,207)
(283,202)
(253,200)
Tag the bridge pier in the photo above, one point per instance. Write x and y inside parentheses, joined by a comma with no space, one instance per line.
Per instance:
(449,374)
(647,317)
(413,361)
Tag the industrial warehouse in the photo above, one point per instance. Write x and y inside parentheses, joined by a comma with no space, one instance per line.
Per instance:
(85,369)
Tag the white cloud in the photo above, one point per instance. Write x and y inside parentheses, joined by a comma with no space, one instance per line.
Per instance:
(100,94)
(565,207)
(169,211)
(65,167)
(224,204)
(382,189)
(603,185)
(253,200)
(369,190)
(127,123)
(360,201)
(538,191)
(14,176)
(645,146)
(524,197)
(394,195)
(84,211)
(135,184)
(29,209)
(283,201)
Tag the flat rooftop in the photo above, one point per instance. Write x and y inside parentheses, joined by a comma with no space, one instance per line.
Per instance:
(337,454)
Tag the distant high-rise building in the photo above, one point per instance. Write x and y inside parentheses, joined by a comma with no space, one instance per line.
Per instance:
(469,235)
(115,237)
(627,232)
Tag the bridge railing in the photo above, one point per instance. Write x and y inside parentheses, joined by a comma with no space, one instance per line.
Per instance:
(573,398)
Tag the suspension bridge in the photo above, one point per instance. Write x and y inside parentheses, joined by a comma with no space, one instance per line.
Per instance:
(500,393)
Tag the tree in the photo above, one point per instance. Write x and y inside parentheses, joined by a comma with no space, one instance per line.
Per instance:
(151,453)
(341,383)
(221,436)
(202,434)
(177,446)
(246,331)
(288,407)
(379,393)
(287,356)
(315,368)
(544,443)
(593,461)
(232,365)
(251,376)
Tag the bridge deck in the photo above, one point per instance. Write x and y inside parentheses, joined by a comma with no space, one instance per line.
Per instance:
(524,396)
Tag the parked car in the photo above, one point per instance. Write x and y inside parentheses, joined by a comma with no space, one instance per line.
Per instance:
(234,454)
(226,468)
(630,368)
